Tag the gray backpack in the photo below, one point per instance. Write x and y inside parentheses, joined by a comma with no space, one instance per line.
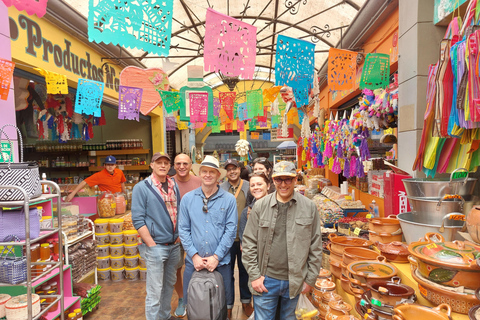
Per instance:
(206,296)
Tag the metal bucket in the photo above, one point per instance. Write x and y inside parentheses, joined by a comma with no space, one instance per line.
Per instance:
(433,209)
(437,188)
(415,226)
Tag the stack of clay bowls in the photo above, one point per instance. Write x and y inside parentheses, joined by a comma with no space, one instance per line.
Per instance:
(336,247)
(350,255)
(385,230)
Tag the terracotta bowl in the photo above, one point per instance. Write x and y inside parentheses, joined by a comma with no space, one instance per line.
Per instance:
(324,274)
(391,293)
(345,284)
(360,272)
(388,225)
(355,254)
(333,255)
(322,286)
(338,243)
(437,294)
(415,311)
(344,269)
(395,251)
(384,237)
(336,269)
(472,311)
(349,317)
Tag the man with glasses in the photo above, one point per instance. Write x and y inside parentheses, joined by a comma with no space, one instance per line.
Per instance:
(207,227)
(240,189)
(155,203)
(282,246)
(186,182)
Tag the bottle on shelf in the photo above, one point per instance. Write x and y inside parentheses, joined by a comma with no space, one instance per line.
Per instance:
(373,209)
(44,186)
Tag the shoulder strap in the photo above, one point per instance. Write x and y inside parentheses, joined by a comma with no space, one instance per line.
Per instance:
(239,188)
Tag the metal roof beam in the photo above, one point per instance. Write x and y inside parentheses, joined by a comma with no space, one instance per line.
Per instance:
(194,25)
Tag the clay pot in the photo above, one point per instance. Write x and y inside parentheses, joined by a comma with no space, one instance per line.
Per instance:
(384,237)
(446,263)
(339,243)
(322,311)
(345,284)
(335,268)
(333,255)
(415,311)
(324,274)
(349,317)
(437,294)
(322,286)
(330,296)
(394,251)
(336,309)
(473,223)
(471,313)
(391,293)
(355,254)
(359,272)
(388,225)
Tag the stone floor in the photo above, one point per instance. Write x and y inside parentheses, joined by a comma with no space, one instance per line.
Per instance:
(126,300)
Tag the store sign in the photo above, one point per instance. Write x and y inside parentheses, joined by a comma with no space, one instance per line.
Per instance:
(41,44)
(6,152)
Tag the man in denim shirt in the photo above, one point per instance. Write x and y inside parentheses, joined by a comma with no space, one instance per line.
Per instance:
(208,227)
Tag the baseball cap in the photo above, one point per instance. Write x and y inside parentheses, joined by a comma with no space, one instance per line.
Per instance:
(284,168)
(159,155)
(110,160)
(231,161)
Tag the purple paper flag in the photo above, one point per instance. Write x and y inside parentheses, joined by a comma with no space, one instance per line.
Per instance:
(129,101)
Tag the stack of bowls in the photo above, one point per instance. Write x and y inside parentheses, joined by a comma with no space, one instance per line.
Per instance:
(336,247)
(350,255)
(385,230)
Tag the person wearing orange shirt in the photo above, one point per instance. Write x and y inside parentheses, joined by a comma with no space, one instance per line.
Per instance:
(109,179)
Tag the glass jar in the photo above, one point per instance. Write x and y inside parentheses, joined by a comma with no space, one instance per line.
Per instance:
(45,252)
(79,314)
(72,316)
(54,286)
(35,252)
(51,299)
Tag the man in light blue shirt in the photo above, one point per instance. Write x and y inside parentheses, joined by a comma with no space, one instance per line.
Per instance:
(207,226)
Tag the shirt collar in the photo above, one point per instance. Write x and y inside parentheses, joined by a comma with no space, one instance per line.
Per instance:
(156,182)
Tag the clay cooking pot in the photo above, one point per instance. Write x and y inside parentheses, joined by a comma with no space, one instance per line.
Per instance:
(394,251)
(413,311)
(339,243)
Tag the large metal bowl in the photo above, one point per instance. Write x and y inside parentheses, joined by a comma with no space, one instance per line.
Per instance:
(437,188)
(415,226)
(434,208)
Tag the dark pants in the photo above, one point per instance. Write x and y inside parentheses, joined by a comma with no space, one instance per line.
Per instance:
(236,253)
(224,271)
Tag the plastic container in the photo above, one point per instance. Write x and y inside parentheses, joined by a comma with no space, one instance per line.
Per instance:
(116,274)
(103,274)
(106,205)
(115,225)
(131,262)
(130,236)
(101,225)
(142,263)
(102,238)
(117,262)
(103,250)
(131,273)
(120,202)
(116,250)
(103,262)
(142,273)
(116,238)
(130,250)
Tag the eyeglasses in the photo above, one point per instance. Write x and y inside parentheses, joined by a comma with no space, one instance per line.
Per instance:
(205,205)
(231,169)
(288,181)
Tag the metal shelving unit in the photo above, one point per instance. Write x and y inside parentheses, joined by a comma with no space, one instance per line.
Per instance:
(29,283)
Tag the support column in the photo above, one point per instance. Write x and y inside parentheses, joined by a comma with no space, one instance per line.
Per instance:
(419,41)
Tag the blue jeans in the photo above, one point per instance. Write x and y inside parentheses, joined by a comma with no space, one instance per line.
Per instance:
(161,264)
(266,304)
(224,271)
(236,253)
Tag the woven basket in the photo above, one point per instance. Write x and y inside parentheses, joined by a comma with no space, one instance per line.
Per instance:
(17,308)
(3,300)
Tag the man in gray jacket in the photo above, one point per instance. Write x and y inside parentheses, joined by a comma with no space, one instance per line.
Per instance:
(240,189)
(155,204)
(282,246)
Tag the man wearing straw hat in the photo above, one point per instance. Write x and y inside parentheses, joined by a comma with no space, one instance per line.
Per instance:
(208,227)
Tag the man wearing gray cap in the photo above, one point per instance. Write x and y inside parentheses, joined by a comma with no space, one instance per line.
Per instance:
(282,246)
(155,204)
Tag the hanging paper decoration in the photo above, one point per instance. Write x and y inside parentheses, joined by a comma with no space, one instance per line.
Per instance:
(170,123)
(294,66)
(129,101)
(252,124)
(144,24)
(199,107)
(242,111)
(171,100)
(38,7)
(89,97)
(6,74)
(235,110)
(229,126)
(274,108)
(240,126)
(216,106)
(230,45)
(376,71)
(227,99)
(275,121)
(150,80)
(56,83)
(181,125)
(266,136)
(186,109)
(271,93)
(254,135)
(262,124)
(216,125)
(254,103)
(342,68)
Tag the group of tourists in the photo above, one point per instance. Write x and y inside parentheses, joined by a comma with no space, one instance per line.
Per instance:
(271,232)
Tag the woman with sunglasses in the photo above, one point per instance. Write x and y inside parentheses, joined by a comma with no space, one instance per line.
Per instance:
(263,165)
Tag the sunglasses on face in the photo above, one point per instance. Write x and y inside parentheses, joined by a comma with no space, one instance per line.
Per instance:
(287,181)
(205,205)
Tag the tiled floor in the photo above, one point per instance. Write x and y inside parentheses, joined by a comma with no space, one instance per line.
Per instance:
(126,300)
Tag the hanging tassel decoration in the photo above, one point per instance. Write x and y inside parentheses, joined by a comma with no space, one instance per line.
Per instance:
(102,121)
(346,169)
(336,166)
(364,151)
(90,130)
(69,106)
(360,169)
(353,166)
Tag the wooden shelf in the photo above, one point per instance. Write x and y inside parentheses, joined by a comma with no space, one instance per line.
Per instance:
(100,153)
(63,168)
(123,168)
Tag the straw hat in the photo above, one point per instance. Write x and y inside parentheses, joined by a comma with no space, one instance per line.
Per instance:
(210,162)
